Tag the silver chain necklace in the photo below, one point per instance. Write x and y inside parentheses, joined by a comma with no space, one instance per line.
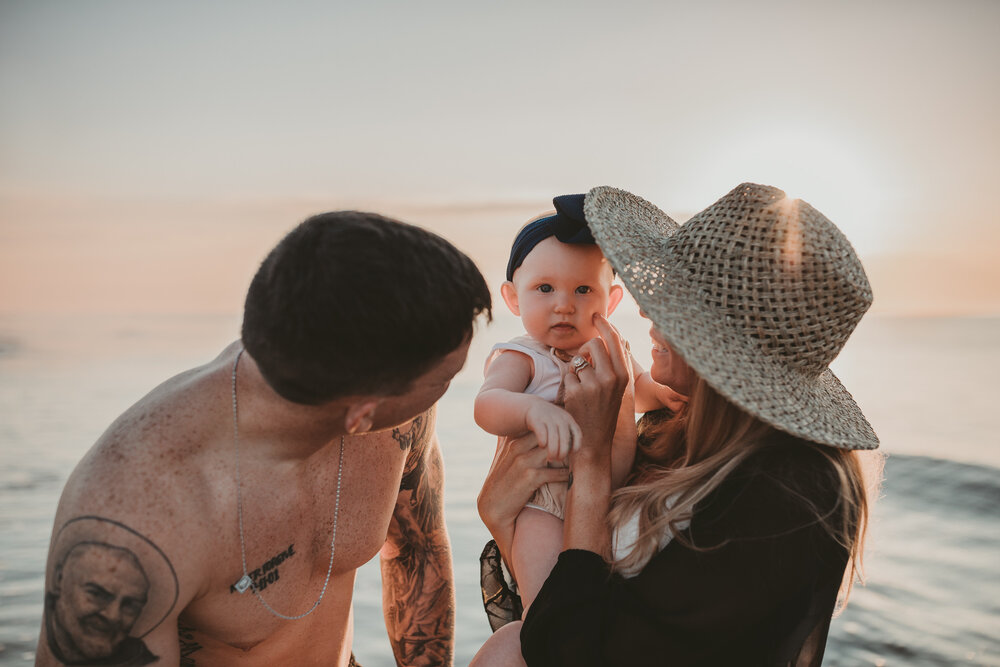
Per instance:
(245,581)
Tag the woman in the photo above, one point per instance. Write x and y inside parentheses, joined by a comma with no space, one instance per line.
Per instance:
(731,539)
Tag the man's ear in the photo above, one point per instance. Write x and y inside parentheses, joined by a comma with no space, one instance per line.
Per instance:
(509,294)
(360,416)
(615,295)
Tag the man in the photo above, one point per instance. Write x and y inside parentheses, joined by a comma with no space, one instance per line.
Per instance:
(249,490)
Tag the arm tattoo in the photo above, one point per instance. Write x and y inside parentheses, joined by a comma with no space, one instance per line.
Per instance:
(109,586)
(417,583)
(417,434)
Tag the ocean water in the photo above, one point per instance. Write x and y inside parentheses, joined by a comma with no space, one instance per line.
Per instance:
(928,385)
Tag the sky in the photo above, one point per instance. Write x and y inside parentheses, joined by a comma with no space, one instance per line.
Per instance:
(151,153)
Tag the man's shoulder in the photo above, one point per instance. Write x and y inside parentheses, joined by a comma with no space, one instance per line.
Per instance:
(184,415)
(168,431)
(160,460)
(143,487)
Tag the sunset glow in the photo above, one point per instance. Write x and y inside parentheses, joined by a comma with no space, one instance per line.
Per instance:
(131,135)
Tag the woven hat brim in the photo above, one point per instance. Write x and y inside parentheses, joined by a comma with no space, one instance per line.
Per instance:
(636,240)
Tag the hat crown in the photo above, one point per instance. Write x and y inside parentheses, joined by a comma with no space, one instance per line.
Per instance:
(778,271)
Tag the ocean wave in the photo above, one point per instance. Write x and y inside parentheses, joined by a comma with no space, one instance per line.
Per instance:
(940,485)
(932,570)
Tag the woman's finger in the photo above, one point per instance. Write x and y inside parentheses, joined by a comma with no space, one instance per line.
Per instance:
(521,445)
(576,437)
(610,364)
(616,344)
(597,350)
(534,457)
(547,475)
(570,379)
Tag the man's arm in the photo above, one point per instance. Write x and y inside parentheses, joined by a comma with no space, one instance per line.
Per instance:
(118,572)
(111,596)
(418,593)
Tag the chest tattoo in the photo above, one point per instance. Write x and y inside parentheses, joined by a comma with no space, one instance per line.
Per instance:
(268,572)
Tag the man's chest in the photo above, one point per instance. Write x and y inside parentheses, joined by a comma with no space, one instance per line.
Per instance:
(303,534)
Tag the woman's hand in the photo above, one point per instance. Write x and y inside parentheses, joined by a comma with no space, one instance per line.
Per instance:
(594,397)
(518,470)
(594,394)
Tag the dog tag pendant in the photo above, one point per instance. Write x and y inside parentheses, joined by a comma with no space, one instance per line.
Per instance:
(243,584)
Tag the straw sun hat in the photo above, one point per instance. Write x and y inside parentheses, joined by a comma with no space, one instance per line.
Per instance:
(758,293)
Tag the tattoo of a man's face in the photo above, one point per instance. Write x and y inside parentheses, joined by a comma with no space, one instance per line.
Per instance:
(99,590)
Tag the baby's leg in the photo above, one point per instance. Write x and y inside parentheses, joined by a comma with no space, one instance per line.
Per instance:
(538,539)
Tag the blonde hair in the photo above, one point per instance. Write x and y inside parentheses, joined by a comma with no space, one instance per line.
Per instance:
(682,458)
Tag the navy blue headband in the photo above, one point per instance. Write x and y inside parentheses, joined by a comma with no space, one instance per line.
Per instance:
(568,225)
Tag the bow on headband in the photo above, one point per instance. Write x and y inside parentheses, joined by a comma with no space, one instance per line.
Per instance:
(568,225)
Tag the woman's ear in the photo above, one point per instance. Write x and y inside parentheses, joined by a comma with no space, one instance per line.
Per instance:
(615,295)
(509,294)
(360,416)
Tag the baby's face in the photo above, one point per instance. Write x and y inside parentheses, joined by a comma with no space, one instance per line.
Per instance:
(557,290)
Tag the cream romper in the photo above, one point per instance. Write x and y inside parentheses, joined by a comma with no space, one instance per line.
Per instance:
(546,383)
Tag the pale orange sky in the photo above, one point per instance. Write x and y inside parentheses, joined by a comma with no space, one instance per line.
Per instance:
(151,154)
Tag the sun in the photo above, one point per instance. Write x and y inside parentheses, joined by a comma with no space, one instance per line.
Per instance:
(831,170)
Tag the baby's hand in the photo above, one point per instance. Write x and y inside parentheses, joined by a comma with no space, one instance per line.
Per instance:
(651,395)
(555,429)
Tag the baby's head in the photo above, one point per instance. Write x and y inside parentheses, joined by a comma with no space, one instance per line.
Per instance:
(557,278)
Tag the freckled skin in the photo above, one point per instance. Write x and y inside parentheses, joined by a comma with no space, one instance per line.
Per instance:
(166,470)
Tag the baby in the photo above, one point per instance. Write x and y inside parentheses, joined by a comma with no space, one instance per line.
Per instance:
(557,280)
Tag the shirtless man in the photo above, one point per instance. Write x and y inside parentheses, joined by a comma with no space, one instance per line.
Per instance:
(250,489)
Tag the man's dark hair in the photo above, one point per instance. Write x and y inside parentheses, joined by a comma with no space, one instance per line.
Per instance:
(356,303)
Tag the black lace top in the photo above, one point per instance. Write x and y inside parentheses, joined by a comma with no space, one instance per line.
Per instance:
(762,594)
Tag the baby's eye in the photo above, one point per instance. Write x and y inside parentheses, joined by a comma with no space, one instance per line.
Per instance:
(584,289)
(545,289)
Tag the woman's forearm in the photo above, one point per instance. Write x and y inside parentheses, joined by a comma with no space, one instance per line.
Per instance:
(587,504)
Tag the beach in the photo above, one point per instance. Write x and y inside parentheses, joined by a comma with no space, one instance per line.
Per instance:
(152,154)
(926,384)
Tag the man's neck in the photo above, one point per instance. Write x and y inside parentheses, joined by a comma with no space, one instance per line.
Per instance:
(279,427)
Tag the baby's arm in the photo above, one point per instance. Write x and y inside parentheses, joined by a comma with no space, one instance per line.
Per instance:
(502,407)
(643,395)
(647,391)
(623,445)
(651,395)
